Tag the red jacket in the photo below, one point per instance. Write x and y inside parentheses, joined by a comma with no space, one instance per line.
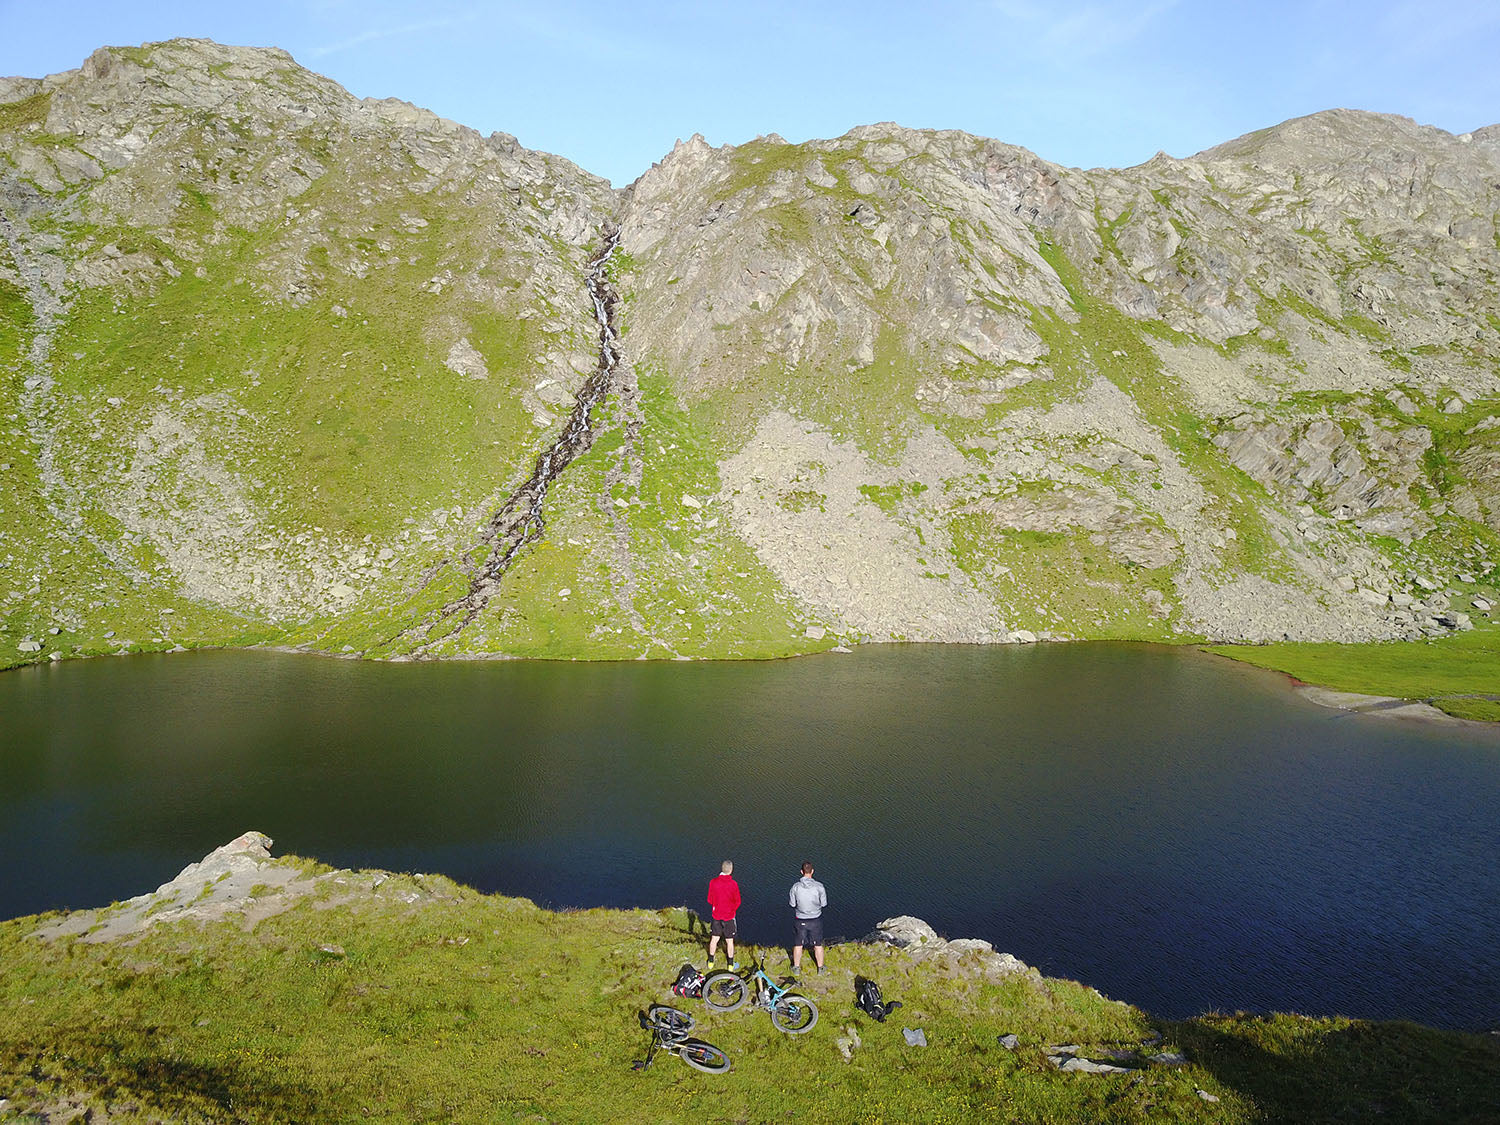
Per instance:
(723,896)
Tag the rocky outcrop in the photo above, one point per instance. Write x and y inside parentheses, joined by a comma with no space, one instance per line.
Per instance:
(1367,476)
(1054,328)
(921,942)
(239,881)
(219,883)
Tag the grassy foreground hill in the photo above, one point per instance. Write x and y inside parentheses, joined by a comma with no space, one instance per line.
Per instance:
(259,990)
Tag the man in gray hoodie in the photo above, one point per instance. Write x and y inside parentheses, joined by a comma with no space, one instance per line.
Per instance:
(808,898)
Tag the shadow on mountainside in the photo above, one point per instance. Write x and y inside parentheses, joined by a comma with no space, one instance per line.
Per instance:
(1308,1071)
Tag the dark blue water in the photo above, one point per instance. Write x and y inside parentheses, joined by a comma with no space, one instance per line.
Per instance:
(1178,831)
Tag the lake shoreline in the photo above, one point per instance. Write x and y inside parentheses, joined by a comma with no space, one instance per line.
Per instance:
(1381,706)
(1416,707)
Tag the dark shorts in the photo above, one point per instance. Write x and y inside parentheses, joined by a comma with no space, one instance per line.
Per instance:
(721,927)
(809,931)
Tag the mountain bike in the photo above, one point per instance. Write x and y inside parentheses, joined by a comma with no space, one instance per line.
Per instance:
(669,1029)
(792,1013)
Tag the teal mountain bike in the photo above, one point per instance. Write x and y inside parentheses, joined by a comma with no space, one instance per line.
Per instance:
(728,991)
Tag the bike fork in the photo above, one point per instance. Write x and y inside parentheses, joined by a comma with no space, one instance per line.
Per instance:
(642,1064)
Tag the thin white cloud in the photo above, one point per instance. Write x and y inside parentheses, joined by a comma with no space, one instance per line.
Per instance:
(575,34)
(1421,29)
(389,31)
(1084,30)
(552,27)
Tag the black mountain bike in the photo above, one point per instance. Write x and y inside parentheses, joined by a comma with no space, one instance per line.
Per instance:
(669,1029)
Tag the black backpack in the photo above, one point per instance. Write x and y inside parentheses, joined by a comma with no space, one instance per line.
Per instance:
(689,982)
(867,1000)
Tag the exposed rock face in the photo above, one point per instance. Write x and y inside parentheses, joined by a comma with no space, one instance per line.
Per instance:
(273,359)
(1052,329)
(919,940)
(905,931)
(220,882)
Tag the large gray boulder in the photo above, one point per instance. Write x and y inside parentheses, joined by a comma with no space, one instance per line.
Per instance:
(921,942)
(903,931)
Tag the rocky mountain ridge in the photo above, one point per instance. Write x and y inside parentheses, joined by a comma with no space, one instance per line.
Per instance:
(272,359)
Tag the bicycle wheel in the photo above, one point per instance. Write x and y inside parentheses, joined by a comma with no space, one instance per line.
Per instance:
(671,1020)
(794,1014)
(703,1056)
(725,991)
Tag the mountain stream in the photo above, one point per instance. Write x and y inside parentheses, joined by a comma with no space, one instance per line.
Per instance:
(519,522)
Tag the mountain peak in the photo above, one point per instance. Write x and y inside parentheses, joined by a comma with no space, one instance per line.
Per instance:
(276,354)
(1330,135)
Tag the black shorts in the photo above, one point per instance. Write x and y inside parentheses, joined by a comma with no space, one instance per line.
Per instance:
(809,931)
(721,927)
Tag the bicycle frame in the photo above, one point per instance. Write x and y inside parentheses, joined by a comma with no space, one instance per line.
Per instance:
(790,1011)
(670,1029)
(766,997)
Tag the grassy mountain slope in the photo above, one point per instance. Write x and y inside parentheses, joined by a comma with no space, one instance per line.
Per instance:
(271,359)
(294,341)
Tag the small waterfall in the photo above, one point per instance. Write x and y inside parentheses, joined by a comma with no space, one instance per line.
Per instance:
(519,523)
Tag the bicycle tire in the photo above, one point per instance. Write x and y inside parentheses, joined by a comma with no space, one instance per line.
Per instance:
(673,1021)
(725,991)
(703,1056)
(793,1014)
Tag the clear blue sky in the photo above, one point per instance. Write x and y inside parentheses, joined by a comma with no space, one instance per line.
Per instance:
(612,85)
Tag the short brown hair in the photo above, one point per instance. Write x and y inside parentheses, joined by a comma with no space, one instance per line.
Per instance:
(807,869)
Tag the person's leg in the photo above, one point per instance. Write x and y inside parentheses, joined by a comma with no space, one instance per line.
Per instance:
(796,957)
(713,944)
(729,949)
(818,956)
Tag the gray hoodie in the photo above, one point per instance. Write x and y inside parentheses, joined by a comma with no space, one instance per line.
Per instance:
(808,897)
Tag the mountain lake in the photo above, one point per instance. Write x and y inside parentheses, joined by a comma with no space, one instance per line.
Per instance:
(1179,831)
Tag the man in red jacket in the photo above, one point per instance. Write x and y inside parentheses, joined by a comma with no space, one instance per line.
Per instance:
(724,898)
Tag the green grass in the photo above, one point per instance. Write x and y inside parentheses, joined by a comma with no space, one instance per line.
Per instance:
(54,577)
(754,163)
(1272,310)
(1309,1071)
(347,407)
(889,497)
(1060,582)
(1476,710)
(1464,664)
(344,426)
(456,1006)
(687,585)
(875,404)
(26,111)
